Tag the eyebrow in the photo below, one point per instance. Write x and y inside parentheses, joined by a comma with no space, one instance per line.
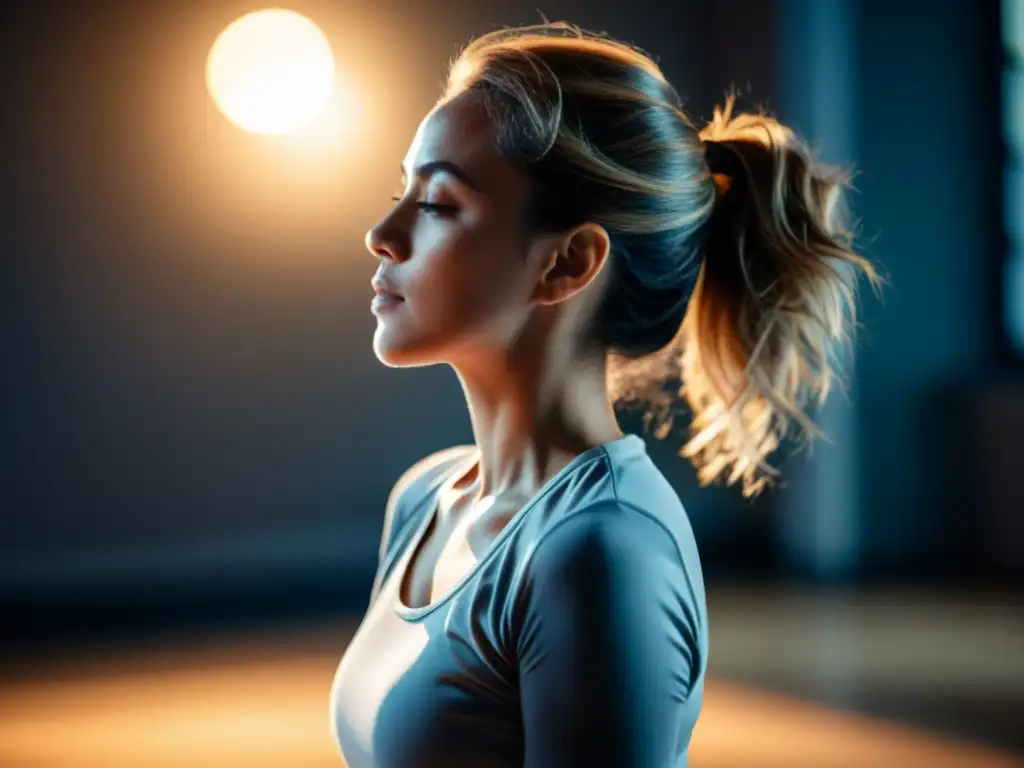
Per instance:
(446,166)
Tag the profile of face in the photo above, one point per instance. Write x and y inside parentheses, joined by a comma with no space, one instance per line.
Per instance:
(456,250)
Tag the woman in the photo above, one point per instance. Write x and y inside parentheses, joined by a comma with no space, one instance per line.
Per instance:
(565,239)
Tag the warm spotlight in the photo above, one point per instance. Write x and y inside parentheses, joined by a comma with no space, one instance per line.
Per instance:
(271,71)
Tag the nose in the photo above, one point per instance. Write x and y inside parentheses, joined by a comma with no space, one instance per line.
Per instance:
(383,241)
(373,244)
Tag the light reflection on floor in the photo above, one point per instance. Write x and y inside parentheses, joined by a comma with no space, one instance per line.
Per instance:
(261,700)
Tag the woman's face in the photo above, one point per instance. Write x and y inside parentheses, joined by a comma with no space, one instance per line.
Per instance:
(454,246)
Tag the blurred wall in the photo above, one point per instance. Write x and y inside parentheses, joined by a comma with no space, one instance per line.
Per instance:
(929,196)
(908,92)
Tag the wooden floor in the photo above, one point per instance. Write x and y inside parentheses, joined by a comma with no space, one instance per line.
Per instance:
(262,701)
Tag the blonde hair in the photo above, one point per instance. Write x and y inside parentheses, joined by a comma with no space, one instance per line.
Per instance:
(732,268)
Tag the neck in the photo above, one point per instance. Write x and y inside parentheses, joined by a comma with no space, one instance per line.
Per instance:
(530,420)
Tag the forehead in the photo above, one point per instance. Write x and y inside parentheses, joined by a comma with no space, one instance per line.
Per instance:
(461,132)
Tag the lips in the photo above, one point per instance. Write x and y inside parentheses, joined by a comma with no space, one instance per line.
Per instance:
(385,289)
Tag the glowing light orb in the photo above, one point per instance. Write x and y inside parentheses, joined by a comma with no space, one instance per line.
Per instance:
(271,71)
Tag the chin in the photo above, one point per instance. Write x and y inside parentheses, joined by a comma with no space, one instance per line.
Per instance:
(395,352)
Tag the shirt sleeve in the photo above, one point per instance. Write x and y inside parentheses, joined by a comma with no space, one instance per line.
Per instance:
(608,643)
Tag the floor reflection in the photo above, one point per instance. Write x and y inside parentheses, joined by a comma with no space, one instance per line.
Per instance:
(793,676)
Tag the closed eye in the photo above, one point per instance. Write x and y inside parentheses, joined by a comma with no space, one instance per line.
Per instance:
(436,209)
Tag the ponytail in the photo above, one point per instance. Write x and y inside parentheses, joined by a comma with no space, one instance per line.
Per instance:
(743,289)
(774,302)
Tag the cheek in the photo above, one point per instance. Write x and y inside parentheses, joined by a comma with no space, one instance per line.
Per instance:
(464,287)
(468,273)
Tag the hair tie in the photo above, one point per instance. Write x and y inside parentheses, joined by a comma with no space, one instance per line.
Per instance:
(724,162)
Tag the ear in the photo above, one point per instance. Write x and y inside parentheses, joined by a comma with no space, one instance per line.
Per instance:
(571,263)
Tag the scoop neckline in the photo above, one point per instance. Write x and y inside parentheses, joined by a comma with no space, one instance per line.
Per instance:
(620,446)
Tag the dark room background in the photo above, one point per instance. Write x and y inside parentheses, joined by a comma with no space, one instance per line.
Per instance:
(192,412)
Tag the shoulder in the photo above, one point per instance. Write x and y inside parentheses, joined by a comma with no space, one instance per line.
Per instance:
(607,566)
(608,534)
(428,469)
(612,547)
(413,485)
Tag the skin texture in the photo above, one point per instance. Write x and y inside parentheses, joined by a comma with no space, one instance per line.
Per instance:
(504,308)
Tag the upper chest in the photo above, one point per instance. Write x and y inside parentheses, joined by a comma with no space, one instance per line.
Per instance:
(447,553)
